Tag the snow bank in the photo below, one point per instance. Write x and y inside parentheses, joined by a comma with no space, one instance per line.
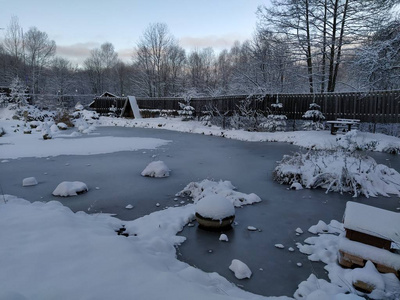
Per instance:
(240,269)
(70,188)
(156,169)
(215,207)
(80,256)
(318,140)
(199,190)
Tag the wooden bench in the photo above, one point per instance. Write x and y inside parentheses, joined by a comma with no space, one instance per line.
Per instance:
(343,125)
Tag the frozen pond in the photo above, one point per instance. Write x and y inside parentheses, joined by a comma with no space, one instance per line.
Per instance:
(114,181)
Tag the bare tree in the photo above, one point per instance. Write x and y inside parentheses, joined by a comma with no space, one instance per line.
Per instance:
(14,47)
(324,30)
(101,68)
(158,60)
(38,50)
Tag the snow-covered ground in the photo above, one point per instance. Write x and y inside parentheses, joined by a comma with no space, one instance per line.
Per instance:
(52,253)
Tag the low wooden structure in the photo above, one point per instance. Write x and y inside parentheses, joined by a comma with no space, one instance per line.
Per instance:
(371,234)
(343,125)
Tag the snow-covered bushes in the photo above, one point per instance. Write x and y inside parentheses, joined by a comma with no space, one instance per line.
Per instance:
(186,112)
(349,142)
(314,118)
(274,123)
(338,171)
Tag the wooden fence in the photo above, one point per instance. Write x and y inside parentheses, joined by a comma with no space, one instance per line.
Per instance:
(375,107)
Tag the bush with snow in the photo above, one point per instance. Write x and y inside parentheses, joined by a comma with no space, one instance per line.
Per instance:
(274,123)
(186,111)
(2,132)
(70,188)
(240,269)
(156,169)
(199,190)
(314,118)
(338,171)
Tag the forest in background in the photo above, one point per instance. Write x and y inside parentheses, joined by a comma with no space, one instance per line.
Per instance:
(299,46)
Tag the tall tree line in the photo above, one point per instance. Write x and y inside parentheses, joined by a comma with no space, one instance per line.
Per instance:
(299,46)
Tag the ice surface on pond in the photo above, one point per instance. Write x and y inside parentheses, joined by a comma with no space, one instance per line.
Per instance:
(199,190)
(29,181)
(215,207)
(240,269)
(156,169)
(70,188)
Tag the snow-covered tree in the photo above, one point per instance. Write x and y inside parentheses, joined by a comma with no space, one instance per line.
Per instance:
(18,94)
(275,121)
(313,117)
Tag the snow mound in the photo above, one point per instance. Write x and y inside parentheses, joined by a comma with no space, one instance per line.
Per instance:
(29,181)
(70,188)
(240,269)
(156,169)
(369,275)
(338,171)
(215,207)
(199,190)
(223,237)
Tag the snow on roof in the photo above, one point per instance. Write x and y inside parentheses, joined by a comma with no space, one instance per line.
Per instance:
(373,221)
(108,94)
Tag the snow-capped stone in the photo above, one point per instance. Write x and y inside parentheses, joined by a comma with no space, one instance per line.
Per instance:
(215,207)
(251,228)
(156,169)
(240,269)
(62,126)
(279,246)
(70,188)
(299,230)
(291,249)
(223,237)
(296,186)
(29,181)
(129,206)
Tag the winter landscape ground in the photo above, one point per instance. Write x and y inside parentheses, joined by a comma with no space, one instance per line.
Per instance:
(67,247)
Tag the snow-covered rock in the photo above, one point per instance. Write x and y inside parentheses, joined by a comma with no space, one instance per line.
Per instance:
(296,186)
(199,190)
(29,181)
(223,237)
(62,126)
(215,207)
(240,269)
(70,188)
(156,169)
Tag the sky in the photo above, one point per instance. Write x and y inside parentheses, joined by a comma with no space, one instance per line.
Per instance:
(77,26)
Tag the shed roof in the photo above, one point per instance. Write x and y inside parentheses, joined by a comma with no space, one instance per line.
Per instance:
(371,220)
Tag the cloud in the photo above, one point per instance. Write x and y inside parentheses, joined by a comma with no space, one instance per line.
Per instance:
(76,53)
(216,42)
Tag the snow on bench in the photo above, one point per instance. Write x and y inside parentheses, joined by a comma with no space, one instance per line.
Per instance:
(344,125)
